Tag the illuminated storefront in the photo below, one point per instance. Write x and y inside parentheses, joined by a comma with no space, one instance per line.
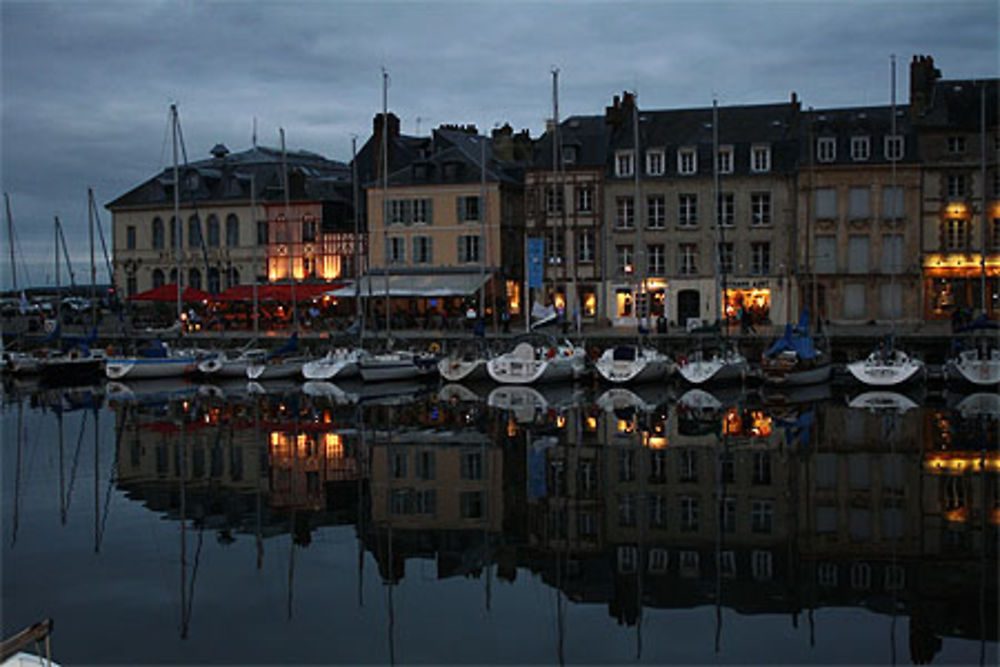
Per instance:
(752,295)
(955,280)
(634,301)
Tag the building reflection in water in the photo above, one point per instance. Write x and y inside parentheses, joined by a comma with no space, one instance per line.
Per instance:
(622,502)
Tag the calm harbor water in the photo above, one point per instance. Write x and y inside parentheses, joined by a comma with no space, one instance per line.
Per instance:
(168,522)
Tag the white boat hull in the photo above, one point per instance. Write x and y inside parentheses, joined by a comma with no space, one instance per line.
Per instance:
(276,369)
(396,366)
(882,400)
(975,370)
(332,366)
(138,368)
(524,365)
(458,370)
(713,371)
(877,372)
(646,366)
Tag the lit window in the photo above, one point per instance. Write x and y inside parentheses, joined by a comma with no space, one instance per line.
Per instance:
(955,234)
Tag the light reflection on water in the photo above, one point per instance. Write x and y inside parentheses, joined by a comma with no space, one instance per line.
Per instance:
(169,522)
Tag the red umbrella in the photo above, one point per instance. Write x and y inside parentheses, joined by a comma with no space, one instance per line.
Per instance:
(276,292)
(168,294)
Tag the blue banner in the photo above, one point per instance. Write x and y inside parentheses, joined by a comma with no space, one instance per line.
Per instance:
(536,262)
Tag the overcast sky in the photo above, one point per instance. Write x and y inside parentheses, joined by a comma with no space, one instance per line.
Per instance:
(86,85)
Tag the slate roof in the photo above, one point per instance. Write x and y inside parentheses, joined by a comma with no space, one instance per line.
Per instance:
(452,156)
(229,177)
(874,122)
(955,104)
(587,135)
(739,126)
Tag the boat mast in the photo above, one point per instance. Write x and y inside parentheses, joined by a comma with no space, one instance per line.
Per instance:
(640,255)
(10,237)
(177,209)
(893,157)
(93,266)
(292,236)
(982,211)
(256,246)
(721,240)
(358,314)
(385,200)
(56,253)
(484,251)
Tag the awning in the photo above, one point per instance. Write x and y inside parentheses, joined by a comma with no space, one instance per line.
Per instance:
(168,294)
(424,285)
(278,291)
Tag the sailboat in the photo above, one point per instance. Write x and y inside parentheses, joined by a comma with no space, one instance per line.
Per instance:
(158,360)
(531,363)
(466,363)
(794,360)
(979,365)
(279,364)
(726,364)
(887,365)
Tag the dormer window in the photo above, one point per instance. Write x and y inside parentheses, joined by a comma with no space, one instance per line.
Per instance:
(191,181)
(760,158)
(956,144)
(654,163)
(893,148)
(687,161)
(860,149)
(569,154)
(624,163)
(826,149)
(420,171)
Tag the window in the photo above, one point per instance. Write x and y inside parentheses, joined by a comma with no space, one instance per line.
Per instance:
(859,203)
(762,565)
(727,467)
(473,504)
(825,207)
(569,154)
(956,144)
(688,465)
(626,465)
(827,575)
(857,254)
(657,466)
(308,228)
(213,231)
(761,468)
(553,199)
(689,513)
(726,257)
(727,515)
(396,250)
(399,211)
(656,211)
(131,286)
(623,163)
(762,516)
(426,465)
(726,562)
(860,148)
(624,254)
(587,479)
(687,213)
(130,237)
(861,576)
(472,465)
(894,578)
(555,246)
(585,199)
(423,250)
(262,232)
(726,208)
(689,563)
(658,560)
(893,148)
(760,258)
(468,248)
(688,259)
(955,234)
(624,213)
(826,254)
(213,280)
(891,300)
(826,149)
(892,203)
(585,246)
(421,211)
(158,279)
(760,158)
(157,234)
(628,560)
(657,260)
(760,208)
(176,235)
(654,163)
(586,524)
(194,232)
(854,301)
(725,159)
(194,278)
(232,231)
(687,161)
(468,209)
(955,186)
(657,510)
(892,253)
(626,509)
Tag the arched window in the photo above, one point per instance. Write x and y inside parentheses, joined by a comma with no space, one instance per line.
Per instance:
(158,234)
(194,232)
(234,277)
(232,231)
(173,276)
(158,273)
(213,231)
(213,280)
(194,278)
(173,234)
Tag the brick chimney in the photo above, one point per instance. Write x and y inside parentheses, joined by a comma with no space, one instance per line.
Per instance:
(923,76)
(503,144)
(620,109)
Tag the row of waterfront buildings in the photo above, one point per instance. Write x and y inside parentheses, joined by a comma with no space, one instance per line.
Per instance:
(867,213)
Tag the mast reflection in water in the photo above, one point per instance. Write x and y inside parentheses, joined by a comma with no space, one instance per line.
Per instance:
(259,525)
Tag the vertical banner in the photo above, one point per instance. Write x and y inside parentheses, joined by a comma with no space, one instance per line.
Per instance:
(536,262)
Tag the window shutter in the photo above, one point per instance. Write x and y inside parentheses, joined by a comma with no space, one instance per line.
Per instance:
(857,254)
(460,209)
(826,254)
(416,250)
(429,210)
(458,253)
(826,204)
(430,249)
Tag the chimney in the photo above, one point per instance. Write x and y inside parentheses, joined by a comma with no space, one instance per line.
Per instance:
(620,109)
(393,126)
(795,101)
(923,76)
(503,144)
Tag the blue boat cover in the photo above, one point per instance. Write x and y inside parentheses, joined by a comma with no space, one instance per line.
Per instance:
(156,349)
(290,346)
(802,345)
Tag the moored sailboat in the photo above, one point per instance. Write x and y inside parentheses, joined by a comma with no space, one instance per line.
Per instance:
(794,359)
(528,363)
(624,364)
